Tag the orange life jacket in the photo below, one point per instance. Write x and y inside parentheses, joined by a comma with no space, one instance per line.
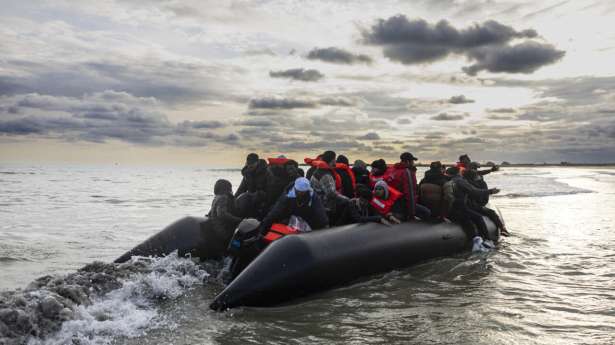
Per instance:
(349,172)
(277,161)
(320,164)
(278,231)
(384,206)
(462,167)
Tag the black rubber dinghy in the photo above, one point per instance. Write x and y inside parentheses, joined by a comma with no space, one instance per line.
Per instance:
(298,265)
(199,237)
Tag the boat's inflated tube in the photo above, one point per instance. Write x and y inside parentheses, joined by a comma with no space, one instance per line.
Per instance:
(200,237)
(297,265)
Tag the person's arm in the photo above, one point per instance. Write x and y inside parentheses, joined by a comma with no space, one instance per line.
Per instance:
(484,172)
(471,190)
(320,219)
(279,211)
(488,171)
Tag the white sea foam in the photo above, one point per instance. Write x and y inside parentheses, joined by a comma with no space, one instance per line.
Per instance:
(131,310)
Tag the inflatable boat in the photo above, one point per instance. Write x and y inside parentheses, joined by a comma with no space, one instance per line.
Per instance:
(195,236)
(298,265)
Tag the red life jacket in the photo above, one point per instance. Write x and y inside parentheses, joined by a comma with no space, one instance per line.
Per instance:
(278,231)
(345,167)
(373,179)
(319,164)
(277,161)
(384,206)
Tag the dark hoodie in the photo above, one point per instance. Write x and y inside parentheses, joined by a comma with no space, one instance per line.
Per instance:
(278,180)
(476,179)
(464,191)
(286,206)
(254,178)
(360,172)
(223,205)
(434,176)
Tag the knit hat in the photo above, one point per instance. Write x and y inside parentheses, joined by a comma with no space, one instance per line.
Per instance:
(383,185)
(302,185)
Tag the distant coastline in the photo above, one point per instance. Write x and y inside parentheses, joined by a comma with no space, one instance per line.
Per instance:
(513,165)
(518,165)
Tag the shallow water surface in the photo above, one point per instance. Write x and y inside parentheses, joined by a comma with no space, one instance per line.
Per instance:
(551,282)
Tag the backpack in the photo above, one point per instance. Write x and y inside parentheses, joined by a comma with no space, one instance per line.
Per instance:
(448,194)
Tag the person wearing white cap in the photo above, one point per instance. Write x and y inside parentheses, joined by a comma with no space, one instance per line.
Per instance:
(301,202)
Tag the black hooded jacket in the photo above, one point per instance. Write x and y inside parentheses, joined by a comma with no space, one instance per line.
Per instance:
(254,179)
(278,181)
(464,191)
(223,205)
(434,177)
(313,213)
(361,175)
(477,180)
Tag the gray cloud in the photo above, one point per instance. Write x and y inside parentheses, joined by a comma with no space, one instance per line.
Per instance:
(349,145)
(488,44)
(448,117)
(257,123)
(502,110)
(461,99)
(338,101)
(337,55)
(501,117)
(281,103)
(34,125)
(202,124)
(298,74)
(525,57)
(369,136)
(169,81)
(277,103)
(103,116)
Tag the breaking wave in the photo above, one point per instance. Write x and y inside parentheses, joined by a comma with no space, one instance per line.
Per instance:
(98,303)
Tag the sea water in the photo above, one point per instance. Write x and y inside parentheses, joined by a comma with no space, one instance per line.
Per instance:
(551,282)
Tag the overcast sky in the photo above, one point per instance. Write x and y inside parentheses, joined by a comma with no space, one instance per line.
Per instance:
(205,82)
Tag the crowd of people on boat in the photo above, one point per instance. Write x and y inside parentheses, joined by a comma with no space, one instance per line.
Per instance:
(334,193)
